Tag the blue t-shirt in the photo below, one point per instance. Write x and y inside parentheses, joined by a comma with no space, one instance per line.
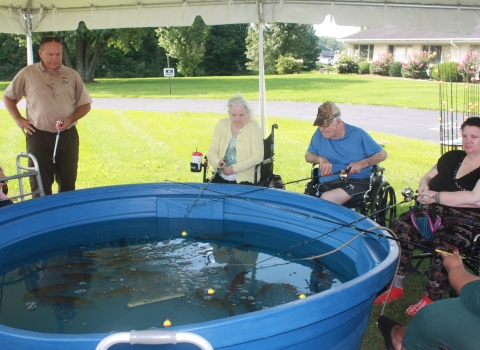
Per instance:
(355,145)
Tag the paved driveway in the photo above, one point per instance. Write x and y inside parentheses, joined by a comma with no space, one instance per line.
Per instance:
(412,123)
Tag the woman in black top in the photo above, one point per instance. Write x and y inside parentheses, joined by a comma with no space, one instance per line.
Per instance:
(448,192)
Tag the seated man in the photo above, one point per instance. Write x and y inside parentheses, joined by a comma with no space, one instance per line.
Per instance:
(337,146)
(446,324)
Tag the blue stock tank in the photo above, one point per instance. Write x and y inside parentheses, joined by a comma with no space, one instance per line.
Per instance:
(280,220)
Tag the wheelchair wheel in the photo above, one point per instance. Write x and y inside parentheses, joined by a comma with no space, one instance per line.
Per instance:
(382,203)
(388,200)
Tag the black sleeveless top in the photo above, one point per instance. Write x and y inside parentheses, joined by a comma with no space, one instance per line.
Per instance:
(447,168)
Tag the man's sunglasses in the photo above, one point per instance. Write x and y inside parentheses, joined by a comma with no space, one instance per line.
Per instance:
(48,39)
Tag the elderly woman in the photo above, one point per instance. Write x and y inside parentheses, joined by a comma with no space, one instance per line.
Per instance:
(4,201)
(237,145)
(449,192)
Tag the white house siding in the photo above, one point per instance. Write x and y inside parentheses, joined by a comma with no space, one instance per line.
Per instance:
(402,51)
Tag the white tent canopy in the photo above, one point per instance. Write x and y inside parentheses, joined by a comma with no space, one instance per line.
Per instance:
(56,15)
(27,16)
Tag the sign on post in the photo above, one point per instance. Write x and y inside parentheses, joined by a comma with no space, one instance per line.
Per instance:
(169,72)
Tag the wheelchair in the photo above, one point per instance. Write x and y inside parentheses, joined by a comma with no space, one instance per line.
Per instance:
(377,203)
(267,177)
(420,264)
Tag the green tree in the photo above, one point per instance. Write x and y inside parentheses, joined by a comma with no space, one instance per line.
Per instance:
(225,51)
(284,39)
(186,44)
(13,56)
(148,61)
(331,44)
(83,47)
(269,57)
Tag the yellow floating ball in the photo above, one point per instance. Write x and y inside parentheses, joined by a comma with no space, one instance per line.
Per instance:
(302,296)
(211,291)
(184,234)
(167,323)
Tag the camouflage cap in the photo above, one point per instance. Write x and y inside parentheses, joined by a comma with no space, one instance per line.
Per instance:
(326,113)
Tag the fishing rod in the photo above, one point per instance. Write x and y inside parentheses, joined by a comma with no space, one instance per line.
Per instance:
(343,174)
(194,203)
(408,197)
(350,225)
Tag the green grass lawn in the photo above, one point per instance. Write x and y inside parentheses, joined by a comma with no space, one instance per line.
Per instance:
(308,87)
(119,147)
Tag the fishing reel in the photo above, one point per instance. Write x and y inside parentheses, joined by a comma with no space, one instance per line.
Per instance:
(408,194)
(343,174)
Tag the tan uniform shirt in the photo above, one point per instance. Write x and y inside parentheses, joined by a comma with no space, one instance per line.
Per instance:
(49,95)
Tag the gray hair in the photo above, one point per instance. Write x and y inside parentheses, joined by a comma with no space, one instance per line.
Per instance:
(238,100)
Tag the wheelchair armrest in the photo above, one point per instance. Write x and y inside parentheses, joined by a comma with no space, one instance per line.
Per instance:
(265,161)
(377,169)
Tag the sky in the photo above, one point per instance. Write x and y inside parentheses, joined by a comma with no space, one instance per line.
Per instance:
(328,28)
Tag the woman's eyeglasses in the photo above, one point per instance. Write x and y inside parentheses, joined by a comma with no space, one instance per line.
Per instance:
(47,39)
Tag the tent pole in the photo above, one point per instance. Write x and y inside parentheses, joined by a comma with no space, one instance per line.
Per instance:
(28,21)
(261,70)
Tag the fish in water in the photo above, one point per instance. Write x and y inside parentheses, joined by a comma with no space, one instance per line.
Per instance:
(84,276)
(152,276)
(58,299)
(113,293)
(61,287)
(215,302)
(71,266)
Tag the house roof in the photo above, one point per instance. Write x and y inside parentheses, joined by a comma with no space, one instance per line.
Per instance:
(394,34)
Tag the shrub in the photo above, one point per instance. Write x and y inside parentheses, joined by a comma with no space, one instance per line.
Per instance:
(363,67)
(380,65)
(346,64)
(395,69)
(417,65)
(288,65)
(446,71)
(469,66)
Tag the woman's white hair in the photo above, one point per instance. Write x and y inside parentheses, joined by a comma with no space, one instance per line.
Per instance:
(238,100)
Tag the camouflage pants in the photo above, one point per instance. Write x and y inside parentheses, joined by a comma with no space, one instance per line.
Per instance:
(447,237)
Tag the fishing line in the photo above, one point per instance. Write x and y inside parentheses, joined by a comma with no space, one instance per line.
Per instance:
(342,225)
(194,203)
(226,196)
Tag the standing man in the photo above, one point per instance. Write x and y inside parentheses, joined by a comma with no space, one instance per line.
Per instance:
(56,100)
(337,146)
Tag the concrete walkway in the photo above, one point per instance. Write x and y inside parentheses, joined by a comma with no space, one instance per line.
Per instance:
(417,124)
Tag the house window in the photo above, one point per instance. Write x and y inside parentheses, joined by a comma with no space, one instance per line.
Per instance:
(364,51)
(391,49)
(474,49)
(402,52)
(431,49)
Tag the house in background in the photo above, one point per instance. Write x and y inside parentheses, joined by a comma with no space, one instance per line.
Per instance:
(371,43)
(326,57)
